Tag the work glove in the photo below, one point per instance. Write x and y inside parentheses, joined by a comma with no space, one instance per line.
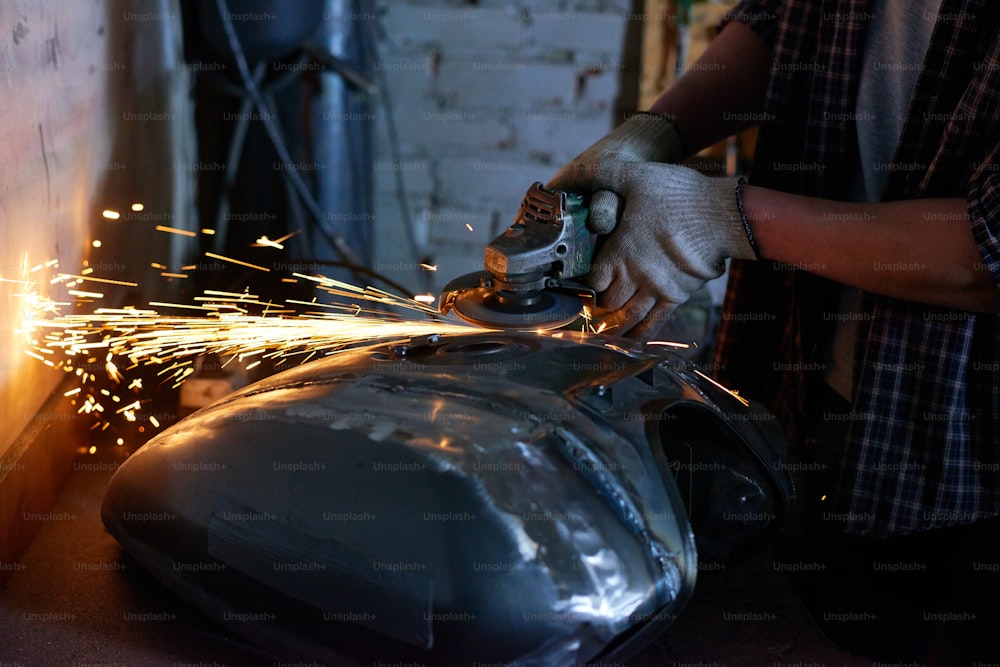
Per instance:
(675,233)
(644,137)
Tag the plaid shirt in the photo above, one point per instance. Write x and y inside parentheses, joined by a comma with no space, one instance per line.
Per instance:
(923,442)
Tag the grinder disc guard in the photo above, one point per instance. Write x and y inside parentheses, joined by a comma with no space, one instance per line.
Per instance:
(548,309)
(476,299)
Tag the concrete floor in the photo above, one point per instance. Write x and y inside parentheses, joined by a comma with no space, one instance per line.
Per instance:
(78,600)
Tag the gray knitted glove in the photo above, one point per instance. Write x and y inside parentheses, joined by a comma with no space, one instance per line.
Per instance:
(675,233)
(644,137)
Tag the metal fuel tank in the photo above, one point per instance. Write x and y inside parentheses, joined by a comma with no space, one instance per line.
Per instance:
(495,497)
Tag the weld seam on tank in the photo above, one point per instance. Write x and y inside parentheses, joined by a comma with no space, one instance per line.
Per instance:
(594,472)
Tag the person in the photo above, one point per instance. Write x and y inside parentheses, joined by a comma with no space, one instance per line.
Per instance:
(863,290)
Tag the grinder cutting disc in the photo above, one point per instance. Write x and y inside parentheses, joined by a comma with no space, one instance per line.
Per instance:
(545,310)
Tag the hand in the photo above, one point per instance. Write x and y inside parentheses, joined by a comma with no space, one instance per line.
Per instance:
(675,233)
(644,137)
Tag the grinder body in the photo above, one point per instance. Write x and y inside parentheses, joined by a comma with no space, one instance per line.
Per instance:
(528,282)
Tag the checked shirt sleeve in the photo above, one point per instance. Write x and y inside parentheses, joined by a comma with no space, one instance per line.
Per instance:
(983,194)
(984,213)
(761,16)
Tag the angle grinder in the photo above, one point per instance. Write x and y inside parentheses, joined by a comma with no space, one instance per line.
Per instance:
(529,269)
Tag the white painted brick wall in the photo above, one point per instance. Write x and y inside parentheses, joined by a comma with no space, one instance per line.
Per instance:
(579,32)
(487,99)
(479,29)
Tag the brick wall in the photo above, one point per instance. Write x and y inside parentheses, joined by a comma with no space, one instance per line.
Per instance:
(487,98)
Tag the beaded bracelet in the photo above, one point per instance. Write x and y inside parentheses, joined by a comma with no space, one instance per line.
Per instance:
(743,216)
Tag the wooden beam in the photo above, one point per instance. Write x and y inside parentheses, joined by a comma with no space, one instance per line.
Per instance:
(33,471)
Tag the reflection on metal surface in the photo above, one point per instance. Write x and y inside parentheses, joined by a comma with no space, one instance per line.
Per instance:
(485,497)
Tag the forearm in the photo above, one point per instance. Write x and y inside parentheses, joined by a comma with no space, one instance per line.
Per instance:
(723,92)
(920,250)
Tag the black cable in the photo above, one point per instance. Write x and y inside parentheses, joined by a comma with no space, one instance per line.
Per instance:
(232,167)
(341,67)
(277,139)
(237,141)
(382,83)
(292,175)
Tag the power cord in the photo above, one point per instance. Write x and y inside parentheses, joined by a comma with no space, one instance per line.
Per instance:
(289,170)
(255,98)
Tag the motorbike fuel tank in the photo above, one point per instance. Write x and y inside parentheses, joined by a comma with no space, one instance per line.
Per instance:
(494,497)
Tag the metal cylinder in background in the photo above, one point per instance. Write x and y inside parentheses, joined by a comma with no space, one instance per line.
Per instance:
(342,128)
